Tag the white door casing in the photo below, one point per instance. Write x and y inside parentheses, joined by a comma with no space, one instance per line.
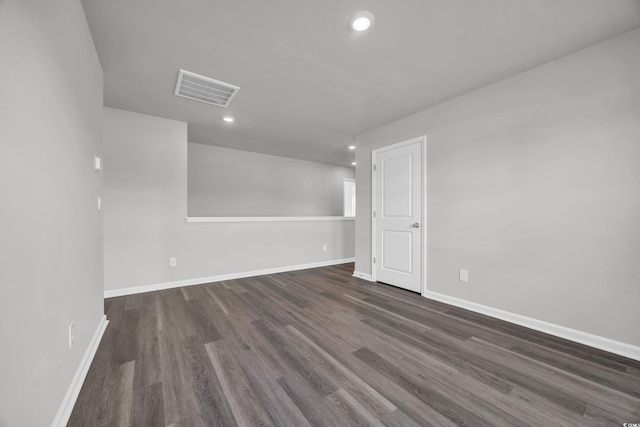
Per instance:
(398,217)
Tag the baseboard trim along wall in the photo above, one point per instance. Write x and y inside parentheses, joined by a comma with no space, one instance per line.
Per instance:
(606,344)
(64,412)
(202,280)
(363,276)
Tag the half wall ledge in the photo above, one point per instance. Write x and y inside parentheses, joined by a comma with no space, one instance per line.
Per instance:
(200,219)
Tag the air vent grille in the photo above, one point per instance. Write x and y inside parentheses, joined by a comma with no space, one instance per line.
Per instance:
(204,89)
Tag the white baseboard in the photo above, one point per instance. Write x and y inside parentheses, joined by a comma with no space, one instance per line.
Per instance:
(201,280)
(64,412)
(606,344)
(363,276)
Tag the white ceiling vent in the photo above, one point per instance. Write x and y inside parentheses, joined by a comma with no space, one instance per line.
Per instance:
(204,89)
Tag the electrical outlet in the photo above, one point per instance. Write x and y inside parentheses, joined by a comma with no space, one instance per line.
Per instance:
(72,332)
(464,275)
(173,261)
(97,163)
(324,248)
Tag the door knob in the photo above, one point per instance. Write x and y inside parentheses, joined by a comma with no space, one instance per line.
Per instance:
(416,225)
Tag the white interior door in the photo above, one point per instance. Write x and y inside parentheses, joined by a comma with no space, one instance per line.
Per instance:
(398,214)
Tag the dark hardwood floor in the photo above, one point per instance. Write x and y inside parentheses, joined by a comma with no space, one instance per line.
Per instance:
(319,347)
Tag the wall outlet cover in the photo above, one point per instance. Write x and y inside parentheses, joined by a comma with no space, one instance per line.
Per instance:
(464,275)
(72,332)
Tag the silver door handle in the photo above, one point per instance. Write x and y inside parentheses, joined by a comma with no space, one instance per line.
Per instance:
(416,225)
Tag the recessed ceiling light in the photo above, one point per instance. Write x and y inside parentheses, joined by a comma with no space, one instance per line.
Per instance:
(353,163)
(351,147)
(228,119)
(361,21)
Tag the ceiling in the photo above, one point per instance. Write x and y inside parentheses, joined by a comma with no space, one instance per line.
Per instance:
(309,84)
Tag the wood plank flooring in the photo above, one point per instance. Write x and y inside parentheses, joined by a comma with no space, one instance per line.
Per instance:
(321,348)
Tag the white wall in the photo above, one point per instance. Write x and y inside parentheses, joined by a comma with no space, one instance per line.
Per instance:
(145,205)
(50,230)
(533,185)
(145,199)
(226,182)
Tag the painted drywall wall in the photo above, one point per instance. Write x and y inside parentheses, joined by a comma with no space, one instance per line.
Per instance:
(51,232)
(533,186)
(144,196)
(145,205)
(226,182)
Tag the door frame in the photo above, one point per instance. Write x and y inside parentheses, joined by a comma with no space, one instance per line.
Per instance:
(423,220)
